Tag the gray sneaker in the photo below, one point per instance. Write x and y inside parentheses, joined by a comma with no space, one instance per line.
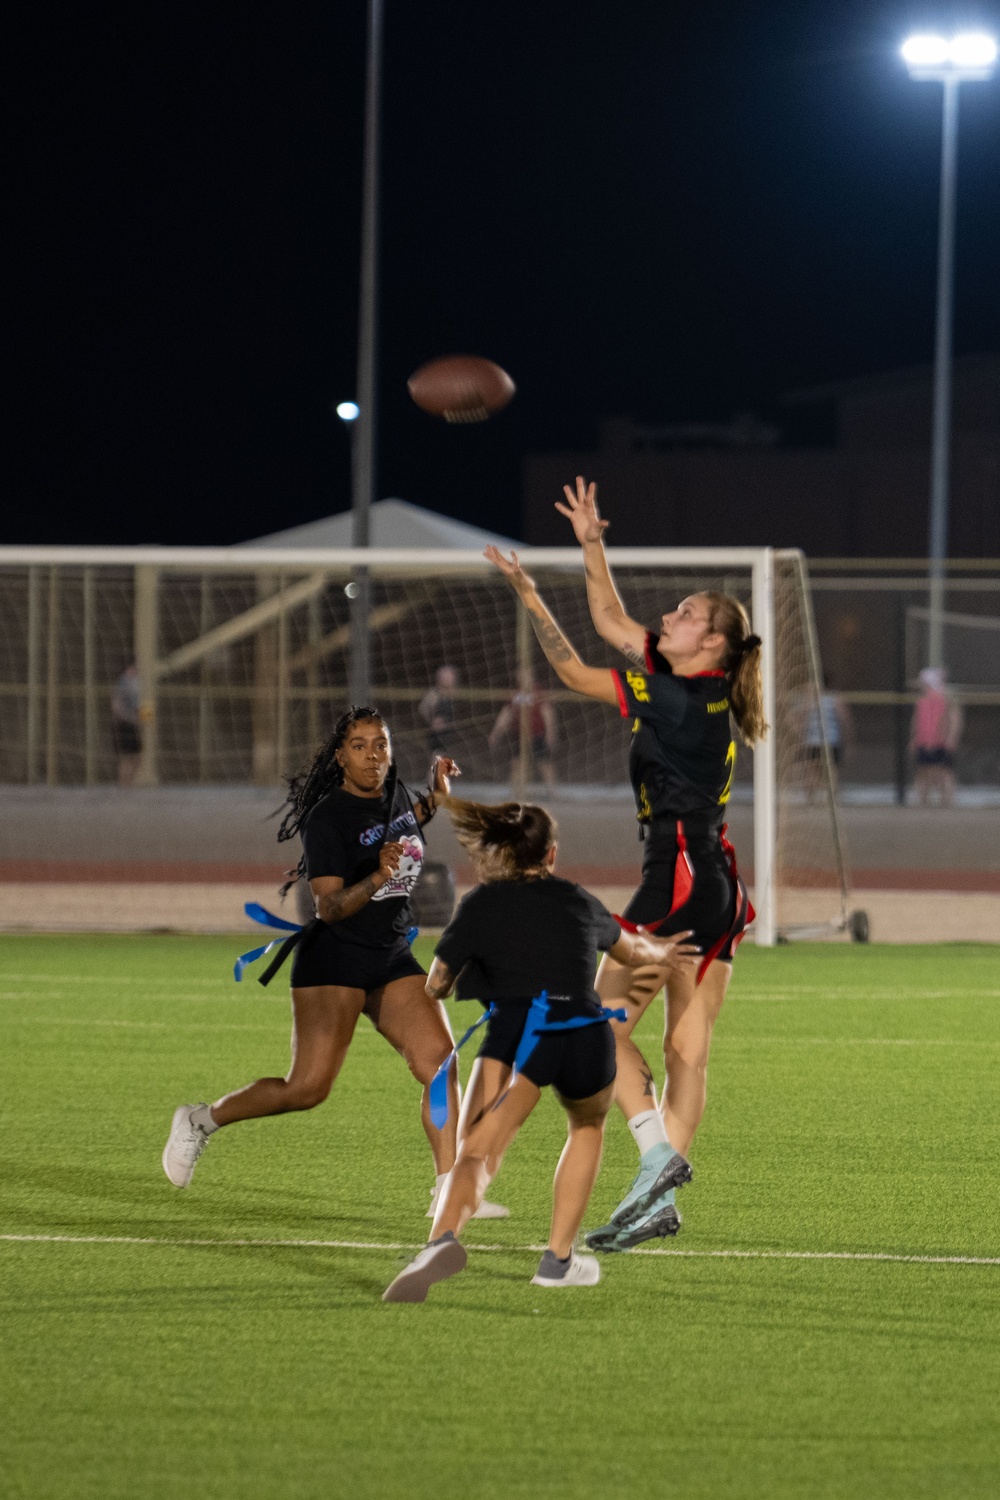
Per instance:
(185,1143)
(436,1262)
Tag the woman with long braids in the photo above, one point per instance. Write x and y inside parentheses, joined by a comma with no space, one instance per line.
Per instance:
(362,853)
(686,681)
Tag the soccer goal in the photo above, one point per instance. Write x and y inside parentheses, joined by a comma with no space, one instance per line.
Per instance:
(243,662)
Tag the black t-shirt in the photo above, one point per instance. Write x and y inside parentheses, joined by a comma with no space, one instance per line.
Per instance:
(343,835)
(511,939)
(682,755)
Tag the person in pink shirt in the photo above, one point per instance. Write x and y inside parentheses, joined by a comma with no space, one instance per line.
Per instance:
(934,736)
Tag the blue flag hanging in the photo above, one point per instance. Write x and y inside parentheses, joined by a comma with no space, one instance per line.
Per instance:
(258,913)
(438,1094)
(536,1023)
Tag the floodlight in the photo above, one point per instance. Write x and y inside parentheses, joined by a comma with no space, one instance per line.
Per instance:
(348,411)
(925,51)
(973,49)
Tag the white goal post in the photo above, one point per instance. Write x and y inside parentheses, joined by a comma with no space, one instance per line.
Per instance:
(243,655)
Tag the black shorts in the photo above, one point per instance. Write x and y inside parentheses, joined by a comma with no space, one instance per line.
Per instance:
(815,753)
(327,959)
(936,757)
(716,911)
(125,737)
(575,1063)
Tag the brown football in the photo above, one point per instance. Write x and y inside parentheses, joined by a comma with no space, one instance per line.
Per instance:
(461,388)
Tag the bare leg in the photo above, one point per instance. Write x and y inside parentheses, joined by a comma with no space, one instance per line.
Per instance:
(486,1142)
(324,1018)
(487,1082)
(417,1027)
(635,989)
(578,1167)
(691,1015)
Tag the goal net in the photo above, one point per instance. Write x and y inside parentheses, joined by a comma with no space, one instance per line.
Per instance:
(242,662)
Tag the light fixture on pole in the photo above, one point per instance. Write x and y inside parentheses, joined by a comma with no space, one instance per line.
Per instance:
(969,57)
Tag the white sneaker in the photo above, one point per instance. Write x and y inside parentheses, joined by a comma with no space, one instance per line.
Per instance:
(583,1270)
(434,1263)
(185,1143)
(484,1211)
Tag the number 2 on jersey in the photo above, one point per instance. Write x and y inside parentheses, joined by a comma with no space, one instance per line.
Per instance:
(731,763)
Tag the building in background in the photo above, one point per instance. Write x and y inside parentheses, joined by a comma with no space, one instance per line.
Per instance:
(847,476)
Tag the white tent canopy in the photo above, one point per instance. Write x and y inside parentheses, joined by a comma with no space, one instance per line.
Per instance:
(393,523)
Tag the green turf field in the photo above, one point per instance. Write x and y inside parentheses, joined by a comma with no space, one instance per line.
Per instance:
(853,1114)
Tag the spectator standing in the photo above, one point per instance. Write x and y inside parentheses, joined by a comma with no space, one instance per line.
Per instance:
(828,718)
(934,737)
(126,734)
(437,709)
(541,730)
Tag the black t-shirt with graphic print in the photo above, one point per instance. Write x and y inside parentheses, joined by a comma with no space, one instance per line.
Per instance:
(682,755)
(342,836)
(511,939)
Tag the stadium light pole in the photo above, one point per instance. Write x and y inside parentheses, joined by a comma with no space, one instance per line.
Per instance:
(364,433)
(969,57)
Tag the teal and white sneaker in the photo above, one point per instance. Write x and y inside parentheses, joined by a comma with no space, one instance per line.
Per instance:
(661,1222)
(661,1170)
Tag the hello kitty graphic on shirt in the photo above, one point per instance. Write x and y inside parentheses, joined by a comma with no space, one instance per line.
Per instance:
(408,874)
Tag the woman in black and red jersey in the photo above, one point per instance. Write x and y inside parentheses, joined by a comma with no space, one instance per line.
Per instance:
(686,682)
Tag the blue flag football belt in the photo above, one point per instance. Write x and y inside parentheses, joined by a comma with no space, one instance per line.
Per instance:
(536,1023)
(297,934)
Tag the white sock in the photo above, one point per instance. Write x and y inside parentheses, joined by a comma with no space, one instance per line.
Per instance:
(648,1130)
(202,1117)
(440,1180)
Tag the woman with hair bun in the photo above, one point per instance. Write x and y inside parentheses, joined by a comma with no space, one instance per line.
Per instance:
(684,685)
(363,847)
(524,942)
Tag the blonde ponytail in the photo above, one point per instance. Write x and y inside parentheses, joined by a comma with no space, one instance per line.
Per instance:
(741,663)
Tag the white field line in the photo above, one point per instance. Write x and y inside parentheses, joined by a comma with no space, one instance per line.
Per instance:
(859,1255)
(731,1041)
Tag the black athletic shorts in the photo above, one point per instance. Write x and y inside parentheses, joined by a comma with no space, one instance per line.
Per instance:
(715,911)
(125,737)
(325,958)
(936,757)
(576,1063)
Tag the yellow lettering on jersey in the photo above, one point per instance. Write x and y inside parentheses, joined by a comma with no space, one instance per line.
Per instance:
(636,725)
(731,763)
(645,810)
(638,685)
(719,707)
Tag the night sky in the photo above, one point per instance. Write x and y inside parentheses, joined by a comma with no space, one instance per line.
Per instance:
(673,212)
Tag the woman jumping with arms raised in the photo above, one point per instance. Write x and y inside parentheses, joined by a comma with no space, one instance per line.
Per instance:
(684,685)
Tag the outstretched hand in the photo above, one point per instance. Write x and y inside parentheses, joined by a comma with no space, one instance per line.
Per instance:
(510,568)
(581,511)
(442,769)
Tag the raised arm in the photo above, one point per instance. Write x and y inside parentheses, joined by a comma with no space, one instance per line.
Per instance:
(606,608)
(592,682)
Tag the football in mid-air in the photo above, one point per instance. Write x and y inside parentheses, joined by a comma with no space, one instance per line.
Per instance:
(461,388)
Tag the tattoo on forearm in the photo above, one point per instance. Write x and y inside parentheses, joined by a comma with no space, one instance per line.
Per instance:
(550,638)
